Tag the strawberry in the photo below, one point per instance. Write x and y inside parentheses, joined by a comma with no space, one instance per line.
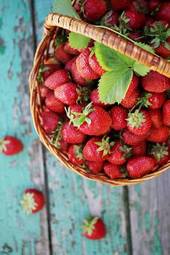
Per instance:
(163,13)
(10,145)
(159,135)
(140,166)
(166,113)
(119,5)
(132,139)
(155,82)
(135,36)
(152,100)
(119,116)
(75,154)
(53,104)
(44,91)
(164,51)
(139,122)
(130,101)
(97,149)
(136,20)
(119,153)
(49,121)
(83,67)
(139,149)
(69,64)
(94,120)
(133,86)
(61,55)
(95,66)
(110,19)
(94,228)
(71,134)
(95,166)
(153,5)
(156,118)
(67,93)
(94,9)
(160,153)
(113,171)
(69,50)
(46,69)
(56,79)
(76,75)
(33,201)
(94,97)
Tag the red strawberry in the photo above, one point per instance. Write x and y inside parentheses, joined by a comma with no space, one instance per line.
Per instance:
(10,145)
(33,201)
(135,36)
(75,154)
(166,113)
(69,50)
(46,69)
(119,153)
(95,66)
(153,4)
(162,50)
(61,55)
(96,149)
(139,122)
(83,67)
(160,153)
(94,228)
(76,75)
(54,104)
(119,116)
(155,82)
(71,134)
(136,20)
(119,5)
(95,166)
(139,149)
(130,101)
(56,79)
(49,121)
(164,11)
(63,146)
(92,121)
(69,64)
(132,139)
(156,118)
(133,86)
(113,171)
(94,97)
(140,166)
(152,100)
(67,93)
(159,135)
(44,91)
(110,19)
(94,9)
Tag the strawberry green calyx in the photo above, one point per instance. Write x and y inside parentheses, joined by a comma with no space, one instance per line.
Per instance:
(78,118)
(79,151)
(3,144)
(89,225)
(57,135)
(83,94)
(144,100)
(127,150)
(159,151)
(123,27)
(105,145)
(28,203)
(136,119)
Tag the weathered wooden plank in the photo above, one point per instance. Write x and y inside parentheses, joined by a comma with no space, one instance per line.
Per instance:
(19,233)
(150,214)
(73,198)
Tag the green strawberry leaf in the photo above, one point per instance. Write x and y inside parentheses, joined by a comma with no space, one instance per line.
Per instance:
(78,41)
(65,7)
(140,69)
(114,85)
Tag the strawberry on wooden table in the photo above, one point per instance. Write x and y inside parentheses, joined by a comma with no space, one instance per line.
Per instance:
(94,228)
(10,145)
(33,201)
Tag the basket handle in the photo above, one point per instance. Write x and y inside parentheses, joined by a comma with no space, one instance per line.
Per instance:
(109,38)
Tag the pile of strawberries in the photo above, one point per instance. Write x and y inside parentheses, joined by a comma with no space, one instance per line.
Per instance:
(129,139)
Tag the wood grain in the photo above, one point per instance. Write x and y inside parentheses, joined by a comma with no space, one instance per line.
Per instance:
(19,233)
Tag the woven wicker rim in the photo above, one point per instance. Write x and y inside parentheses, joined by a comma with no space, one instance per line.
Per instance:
(111,39)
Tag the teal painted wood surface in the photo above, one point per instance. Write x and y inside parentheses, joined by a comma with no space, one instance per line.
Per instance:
(137,218)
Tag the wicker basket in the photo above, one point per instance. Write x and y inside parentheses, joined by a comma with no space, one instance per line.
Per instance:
(110,39)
